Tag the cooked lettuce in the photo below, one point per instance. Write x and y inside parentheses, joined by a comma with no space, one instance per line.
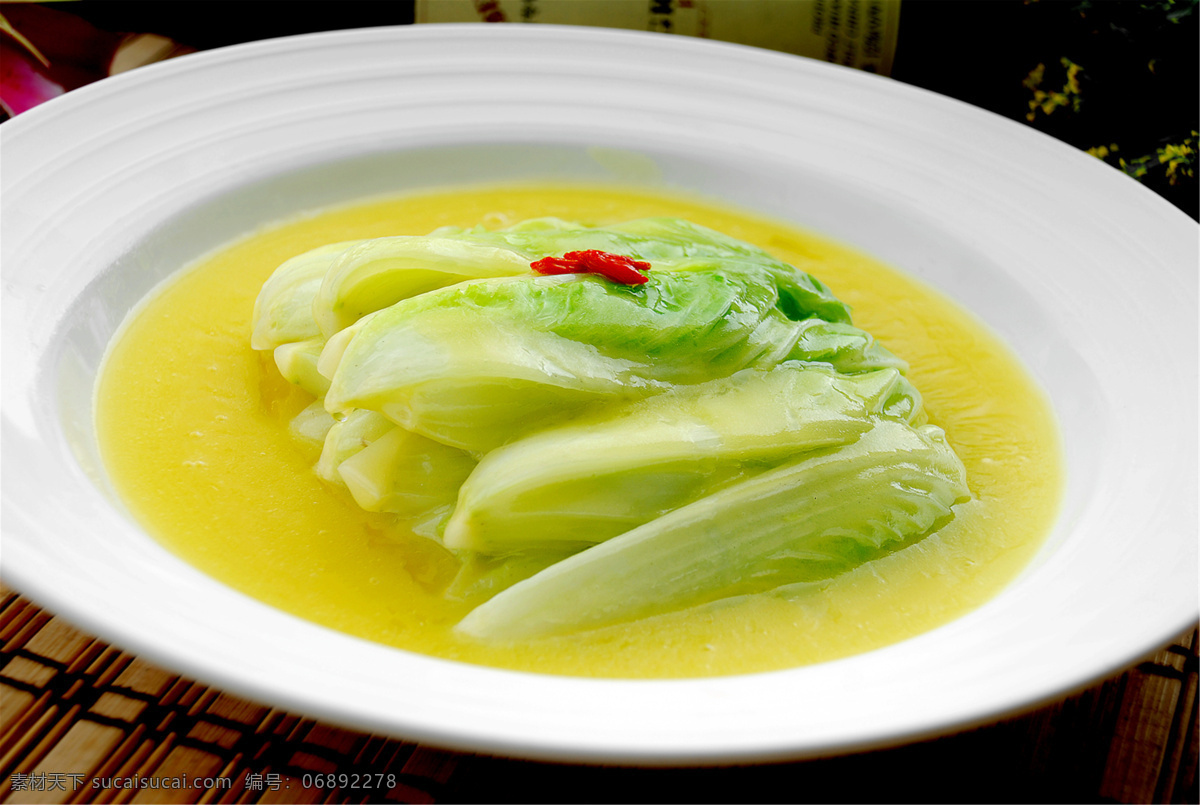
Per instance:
(297,362)
(350,434)
(599,476)
(406,474)
(481,363)
(283,311)
(374,274)
(596,452)
(823,514)
(311,426)
(377,273)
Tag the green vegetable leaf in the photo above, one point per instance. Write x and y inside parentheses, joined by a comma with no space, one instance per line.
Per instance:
(806,520)
(406,474)
(597,477)
(378,273)
(595,451)
(283,311)
(346,438)
(480,363)
(312,425)
(297,362)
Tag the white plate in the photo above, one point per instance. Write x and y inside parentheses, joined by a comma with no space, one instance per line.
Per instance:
(1090,277)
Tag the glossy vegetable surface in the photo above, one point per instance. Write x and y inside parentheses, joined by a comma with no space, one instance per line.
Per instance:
(683,419)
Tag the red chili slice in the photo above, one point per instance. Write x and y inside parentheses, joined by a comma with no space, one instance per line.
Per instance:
(616,267)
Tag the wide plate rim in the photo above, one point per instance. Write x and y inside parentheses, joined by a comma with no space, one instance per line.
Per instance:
(531,744)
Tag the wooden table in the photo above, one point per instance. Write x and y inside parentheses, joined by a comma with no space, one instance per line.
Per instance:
(79,717)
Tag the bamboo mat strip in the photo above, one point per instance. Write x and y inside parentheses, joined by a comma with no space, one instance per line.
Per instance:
(78,718)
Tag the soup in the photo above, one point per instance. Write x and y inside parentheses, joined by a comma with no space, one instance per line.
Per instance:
(194,430)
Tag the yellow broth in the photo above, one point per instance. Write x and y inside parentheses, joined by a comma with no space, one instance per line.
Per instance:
(193,430)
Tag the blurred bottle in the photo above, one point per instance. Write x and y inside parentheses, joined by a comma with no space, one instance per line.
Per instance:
(856,33)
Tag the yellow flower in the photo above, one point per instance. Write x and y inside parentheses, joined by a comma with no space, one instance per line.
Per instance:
(1047,101)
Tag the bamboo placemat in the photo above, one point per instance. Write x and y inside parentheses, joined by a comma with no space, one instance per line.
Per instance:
(79,717)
